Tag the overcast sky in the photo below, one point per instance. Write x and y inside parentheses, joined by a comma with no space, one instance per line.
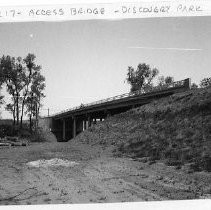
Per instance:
(84,61)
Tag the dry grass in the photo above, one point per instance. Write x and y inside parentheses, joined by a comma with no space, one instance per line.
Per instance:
(176,130)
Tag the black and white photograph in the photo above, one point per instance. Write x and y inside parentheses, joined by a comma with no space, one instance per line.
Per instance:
(105,110)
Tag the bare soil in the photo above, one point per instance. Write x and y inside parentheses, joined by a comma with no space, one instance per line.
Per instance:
(97,177)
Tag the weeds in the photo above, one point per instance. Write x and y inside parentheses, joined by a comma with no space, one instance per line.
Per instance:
(174,129)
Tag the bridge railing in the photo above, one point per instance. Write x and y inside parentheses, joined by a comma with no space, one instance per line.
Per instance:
(181,83)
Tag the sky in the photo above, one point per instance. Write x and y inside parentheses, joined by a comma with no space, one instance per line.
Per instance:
(85,61)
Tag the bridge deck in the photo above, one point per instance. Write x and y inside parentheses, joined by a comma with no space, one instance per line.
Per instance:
(127,99)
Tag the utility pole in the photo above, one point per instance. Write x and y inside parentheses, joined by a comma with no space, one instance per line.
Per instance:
(48,112)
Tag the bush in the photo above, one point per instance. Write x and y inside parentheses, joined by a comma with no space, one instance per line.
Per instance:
(38,136)
(25,133)
(174,129)
(173,162)
(8,130)
(206,82)
(202,163)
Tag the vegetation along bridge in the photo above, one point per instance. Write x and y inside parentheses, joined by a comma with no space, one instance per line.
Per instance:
(67,124)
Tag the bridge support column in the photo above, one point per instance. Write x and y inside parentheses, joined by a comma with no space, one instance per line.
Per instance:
(74,127)
(63,130)
(84,125)
(89,121)
(79,125)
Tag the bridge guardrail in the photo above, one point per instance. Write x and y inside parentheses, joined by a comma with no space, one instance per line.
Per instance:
(181,83)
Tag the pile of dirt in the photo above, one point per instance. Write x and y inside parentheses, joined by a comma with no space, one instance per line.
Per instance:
(175,130)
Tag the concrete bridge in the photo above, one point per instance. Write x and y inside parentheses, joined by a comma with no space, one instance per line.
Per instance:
(67,124)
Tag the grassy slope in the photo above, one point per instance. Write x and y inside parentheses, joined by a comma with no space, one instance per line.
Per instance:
(176,129)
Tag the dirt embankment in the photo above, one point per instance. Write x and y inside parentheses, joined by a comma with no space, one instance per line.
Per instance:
(175,130)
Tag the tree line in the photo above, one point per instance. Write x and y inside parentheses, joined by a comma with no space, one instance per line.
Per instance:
(142,79)
(25,86)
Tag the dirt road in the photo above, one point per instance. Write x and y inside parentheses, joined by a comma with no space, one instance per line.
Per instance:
(98,176)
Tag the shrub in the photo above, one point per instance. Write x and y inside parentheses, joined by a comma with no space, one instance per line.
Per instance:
(25,133)
(173,162)
(206,82)
(8,130)
(37,136)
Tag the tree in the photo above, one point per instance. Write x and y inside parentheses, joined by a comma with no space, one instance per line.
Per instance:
(165,81)
(31,70)
(33,102)
(206,82)
(11,108)
(37,89)
(1,82)
(141,78)
(194,86)
(23,79)
(13,71)
(1,101)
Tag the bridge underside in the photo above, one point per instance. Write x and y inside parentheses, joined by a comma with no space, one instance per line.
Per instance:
(67,125)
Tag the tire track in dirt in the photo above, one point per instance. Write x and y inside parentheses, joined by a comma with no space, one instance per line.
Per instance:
(99,177)
(115,185)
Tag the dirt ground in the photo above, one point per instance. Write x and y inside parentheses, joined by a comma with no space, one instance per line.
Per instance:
(97,177)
